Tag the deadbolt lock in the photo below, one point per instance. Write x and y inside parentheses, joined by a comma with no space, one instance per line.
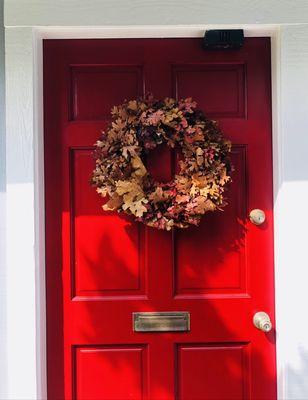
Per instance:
(257,216)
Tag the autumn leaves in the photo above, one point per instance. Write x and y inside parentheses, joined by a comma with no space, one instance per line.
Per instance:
(141,125)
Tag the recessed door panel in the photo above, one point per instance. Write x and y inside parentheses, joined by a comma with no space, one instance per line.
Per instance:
(212,259)
(110,373)
(213,372)
(106,85)
(96,237)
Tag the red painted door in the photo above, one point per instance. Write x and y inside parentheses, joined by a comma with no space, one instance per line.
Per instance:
(102,267)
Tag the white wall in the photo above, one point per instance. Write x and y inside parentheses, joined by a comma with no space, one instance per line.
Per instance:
(20,214)
(291,158)
(3,342)
(292,269)
(153,12)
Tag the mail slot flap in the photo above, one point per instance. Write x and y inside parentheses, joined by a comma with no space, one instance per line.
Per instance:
(173,321)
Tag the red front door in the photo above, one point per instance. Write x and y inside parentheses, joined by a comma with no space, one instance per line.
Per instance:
(101,268)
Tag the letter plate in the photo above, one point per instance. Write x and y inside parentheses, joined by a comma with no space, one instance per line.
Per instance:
(175,321)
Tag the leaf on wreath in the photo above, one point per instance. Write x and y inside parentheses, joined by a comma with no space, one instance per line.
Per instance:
(187,104)
(193,190)
(118,125)
(204,191)
(132,105)
(139,168)
(115,111)
(199,135)
(204,205)
(199,154)
(171,115)
(182,183)
(136,207)
(155,118)
(132,187)
(129,150)
(103,191)
(224,178)
(199,180)
(113,203)
(100,143)
(193,166)
(214,191)
(184,123)
(182,198)
(169,102)
(159,195)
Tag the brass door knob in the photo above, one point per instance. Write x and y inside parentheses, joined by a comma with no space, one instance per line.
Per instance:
(257,216)
(262,321)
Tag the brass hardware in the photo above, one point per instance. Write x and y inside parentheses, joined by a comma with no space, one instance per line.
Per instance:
(257,216)
(262,321)
(177,321)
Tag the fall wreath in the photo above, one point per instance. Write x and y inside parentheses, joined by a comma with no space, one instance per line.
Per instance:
(137,127)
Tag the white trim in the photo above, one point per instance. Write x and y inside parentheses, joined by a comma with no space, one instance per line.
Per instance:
(35,132)
(277,148)
(146,31)
(39,201)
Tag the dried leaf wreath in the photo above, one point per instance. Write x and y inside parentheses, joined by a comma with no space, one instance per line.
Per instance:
(137,127)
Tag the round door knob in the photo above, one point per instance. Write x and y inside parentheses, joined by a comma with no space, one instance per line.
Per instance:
(257,216)
(262,321)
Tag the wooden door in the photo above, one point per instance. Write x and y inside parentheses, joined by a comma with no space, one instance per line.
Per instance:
(102,267)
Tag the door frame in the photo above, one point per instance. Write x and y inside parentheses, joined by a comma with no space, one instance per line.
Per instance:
(25,129)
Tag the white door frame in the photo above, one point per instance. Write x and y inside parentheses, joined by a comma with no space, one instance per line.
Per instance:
(25,195)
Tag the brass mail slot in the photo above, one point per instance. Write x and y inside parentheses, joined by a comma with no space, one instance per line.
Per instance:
(173,321)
